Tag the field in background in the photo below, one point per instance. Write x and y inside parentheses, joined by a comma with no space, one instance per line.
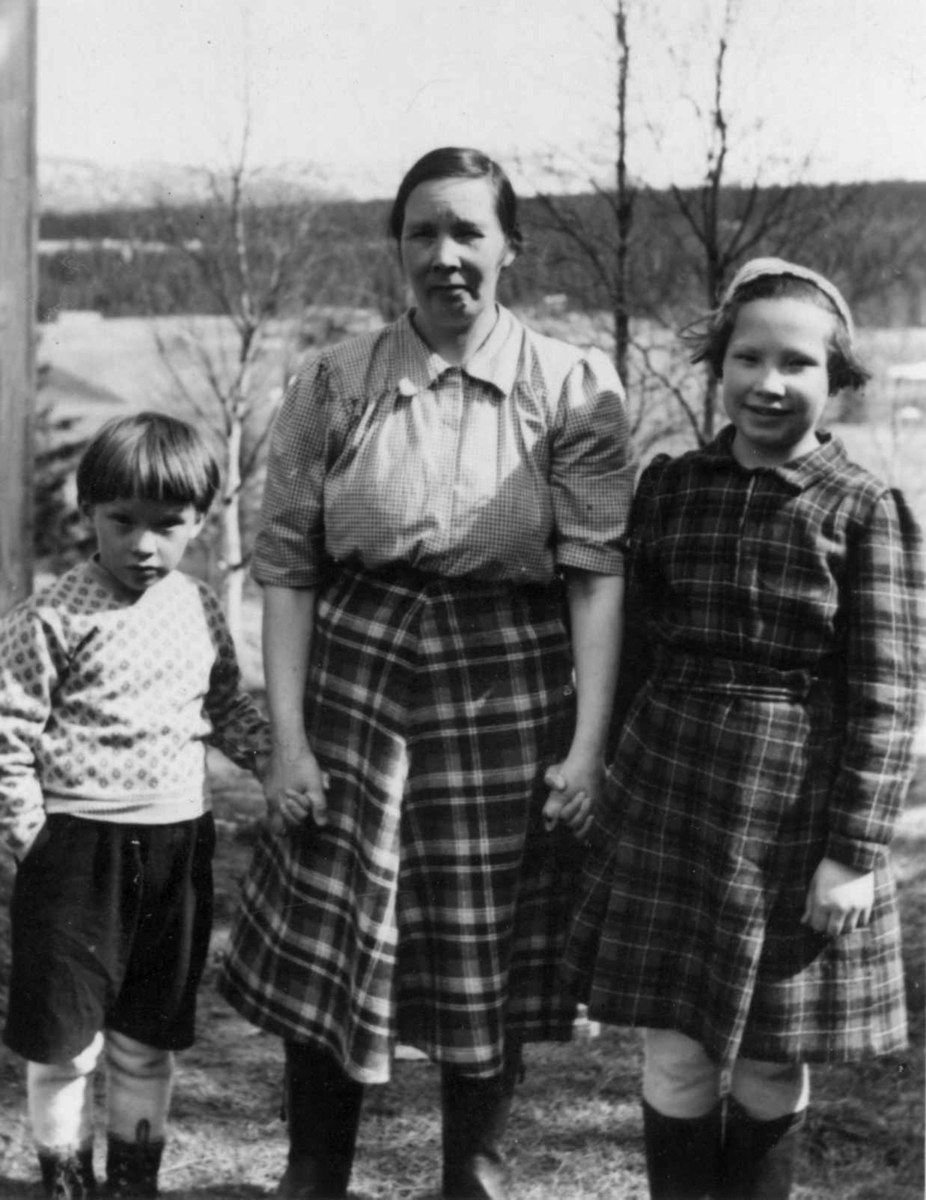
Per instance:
(120,356)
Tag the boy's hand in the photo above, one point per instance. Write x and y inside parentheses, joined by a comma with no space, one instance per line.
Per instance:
(839,899)
(29,841)
(294,787)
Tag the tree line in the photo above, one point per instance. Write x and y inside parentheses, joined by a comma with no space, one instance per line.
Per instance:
(870,238)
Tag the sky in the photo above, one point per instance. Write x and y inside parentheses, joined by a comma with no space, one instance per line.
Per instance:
(816,89)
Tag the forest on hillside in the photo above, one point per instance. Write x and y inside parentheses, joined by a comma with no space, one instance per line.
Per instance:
(870,238)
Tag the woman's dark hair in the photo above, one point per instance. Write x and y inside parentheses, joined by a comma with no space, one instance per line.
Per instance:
(710,338)
(148,456)
(454,162)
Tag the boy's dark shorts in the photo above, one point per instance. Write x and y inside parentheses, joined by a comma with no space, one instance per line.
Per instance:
(110,930)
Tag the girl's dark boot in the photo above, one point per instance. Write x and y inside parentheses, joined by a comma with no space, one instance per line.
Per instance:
(68,1177)
(759,1156)
(323,1113)
(475,1113)
(132,1167)
(682,1156)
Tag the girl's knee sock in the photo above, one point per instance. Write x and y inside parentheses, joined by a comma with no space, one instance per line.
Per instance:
(140,1079)
(60,1101)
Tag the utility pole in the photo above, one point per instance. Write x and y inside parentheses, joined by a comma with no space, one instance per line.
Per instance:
(18,215)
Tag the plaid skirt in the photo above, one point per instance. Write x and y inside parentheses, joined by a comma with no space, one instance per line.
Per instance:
(690,910)
(432,908)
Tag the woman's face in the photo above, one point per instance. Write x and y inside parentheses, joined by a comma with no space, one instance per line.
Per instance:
(453,249)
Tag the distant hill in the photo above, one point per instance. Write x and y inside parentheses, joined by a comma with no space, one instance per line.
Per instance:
(68,185)
(75,185)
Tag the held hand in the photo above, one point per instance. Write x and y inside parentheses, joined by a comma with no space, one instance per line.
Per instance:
(839,899)
(575,785)
(294,787)
(576,814)
(30,839)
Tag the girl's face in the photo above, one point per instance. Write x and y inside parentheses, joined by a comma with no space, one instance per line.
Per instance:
(775,380)
(453,250)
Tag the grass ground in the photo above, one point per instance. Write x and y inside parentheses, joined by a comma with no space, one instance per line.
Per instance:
(575,1132)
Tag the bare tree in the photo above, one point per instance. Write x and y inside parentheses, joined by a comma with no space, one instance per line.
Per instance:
(605,247)
(607,252)
(252,260)
(623,198)
(727,224)
(711,228)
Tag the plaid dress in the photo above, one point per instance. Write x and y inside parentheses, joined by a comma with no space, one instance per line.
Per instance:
(768,703)
(433,907)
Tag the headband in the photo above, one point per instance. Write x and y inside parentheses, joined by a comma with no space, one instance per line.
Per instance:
(763,268)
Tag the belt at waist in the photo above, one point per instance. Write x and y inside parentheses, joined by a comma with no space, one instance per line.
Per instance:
(712,673)
(414,579)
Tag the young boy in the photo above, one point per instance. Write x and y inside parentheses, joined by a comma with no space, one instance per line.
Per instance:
(112,681)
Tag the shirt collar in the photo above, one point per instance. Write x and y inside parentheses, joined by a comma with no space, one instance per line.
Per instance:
(828,458)
(495,362)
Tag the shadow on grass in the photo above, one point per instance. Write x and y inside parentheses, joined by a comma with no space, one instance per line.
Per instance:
(15,1189)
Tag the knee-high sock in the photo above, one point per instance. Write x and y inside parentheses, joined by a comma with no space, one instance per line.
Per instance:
(60,1100)
(139,1086)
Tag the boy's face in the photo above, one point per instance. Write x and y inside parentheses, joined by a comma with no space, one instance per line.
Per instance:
(142,541)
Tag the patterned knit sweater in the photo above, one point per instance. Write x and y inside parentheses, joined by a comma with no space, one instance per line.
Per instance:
(108,698)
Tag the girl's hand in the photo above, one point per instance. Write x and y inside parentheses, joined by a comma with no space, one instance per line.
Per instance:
(294,788)
(574,790)
(839,899)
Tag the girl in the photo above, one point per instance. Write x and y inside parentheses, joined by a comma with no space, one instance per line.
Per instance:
(740,906)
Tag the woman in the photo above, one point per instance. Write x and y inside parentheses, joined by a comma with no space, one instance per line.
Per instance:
(427,483)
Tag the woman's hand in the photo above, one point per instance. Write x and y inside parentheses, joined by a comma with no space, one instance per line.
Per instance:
(575,785)
(839,899)
(595,603)
(294,787)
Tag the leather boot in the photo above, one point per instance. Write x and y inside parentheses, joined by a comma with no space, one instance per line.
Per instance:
(132,1167)
(68,1176)
(758,1156)
(475,1113)
(323,1113)
(682,1156)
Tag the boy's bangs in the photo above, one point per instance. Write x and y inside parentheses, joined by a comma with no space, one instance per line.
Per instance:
(158,474)
(148,457)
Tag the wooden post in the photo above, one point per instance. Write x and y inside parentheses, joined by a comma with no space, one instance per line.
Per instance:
(18,215)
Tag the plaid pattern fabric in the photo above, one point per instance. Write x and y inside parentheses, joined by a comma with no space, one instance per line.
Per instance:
(782,611)
(503,469)
(433,907)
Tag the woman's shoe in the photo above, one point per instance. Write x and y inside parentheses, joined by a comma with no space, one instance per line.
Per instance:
(323,1114)
(475,1113)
